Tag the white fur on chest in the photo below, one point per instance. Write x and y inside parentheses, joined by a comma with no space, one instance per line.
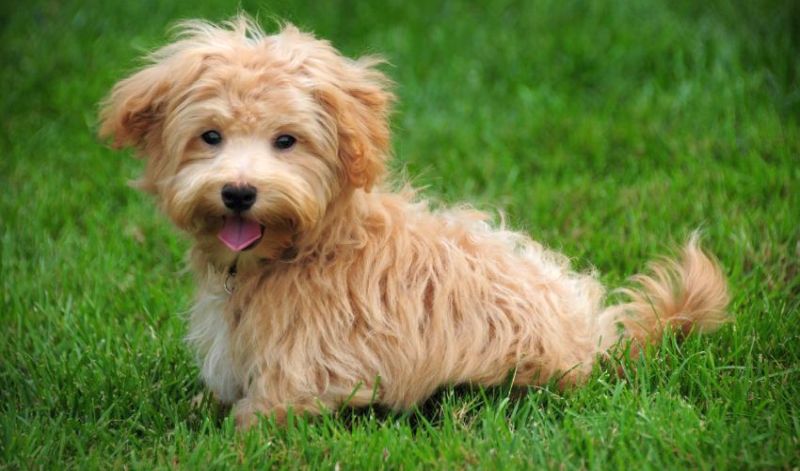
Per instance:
(210,337)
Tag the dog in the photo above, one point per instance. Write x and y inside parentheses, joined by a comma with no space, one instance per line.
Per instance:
(318,285)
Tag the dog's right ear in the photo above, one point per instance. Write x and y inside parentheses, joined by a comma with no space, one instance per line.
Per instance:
(133,115)
(134,110)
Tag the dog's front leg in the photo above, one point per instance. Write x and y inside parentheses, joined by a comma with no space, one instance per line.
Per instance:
(247,410)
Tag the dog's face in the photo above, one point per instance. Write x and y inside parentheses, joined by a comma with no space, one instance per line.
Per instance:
(249,138)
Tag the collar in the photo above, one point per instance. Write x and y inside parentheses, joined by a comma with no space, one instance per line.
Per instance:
(229,277)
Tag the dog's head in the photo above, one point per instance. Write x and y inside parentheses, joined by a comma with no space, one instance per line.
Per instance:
(248,138)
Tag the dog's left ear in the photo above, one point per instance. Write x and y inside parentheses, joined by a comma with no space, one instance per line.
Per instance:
(357,96)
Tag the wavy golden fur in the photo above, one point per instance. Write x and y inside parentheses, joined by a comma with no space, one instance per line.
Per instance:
(354,292)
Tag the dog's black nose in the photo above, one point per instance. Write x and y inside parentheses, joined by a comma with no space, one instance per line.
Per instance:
(238,197)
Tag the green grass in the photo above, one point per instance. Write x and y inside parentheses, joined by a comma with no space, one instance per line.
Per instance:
(606,129)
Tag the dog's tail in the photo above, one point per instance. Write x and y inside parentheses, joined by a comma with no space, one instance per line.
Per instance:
(686,295)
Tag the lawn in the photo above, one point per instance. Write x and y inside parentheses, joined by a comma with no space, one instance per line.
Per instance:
(608,130)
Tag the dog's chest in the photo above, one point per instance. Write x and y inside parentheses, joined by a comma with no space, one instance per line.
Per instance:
(210,336)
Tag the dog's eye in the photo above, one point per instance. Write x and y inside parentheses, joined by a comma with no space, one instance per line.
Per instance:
(284,141)
(212,137)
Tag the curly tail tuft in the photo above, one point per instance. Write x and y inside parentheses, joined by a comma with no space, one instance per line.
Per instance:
(687,295)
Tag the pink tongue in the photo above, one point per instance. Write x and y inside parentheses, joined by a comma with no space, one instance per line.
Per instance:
(238,232)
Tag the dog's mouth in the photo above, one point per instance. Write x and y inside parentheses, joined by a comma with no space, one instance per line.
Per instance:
(240,233)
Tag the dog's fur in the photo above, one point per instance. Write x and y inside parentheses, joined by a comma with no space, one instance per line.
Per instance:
(356,293)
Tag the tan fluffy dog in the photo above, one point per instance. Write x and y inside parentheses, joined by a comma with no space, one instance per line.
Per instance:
(317,285)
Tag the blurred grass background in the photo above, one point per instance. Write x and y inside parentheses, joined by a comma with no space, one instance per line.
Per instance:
(606,129)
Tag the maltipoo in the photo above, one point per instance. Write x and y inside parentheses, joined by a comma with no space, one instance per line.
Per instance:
(318,285)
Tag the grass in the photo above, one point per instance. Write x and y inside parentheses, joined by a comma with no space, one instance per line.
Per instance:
(606,129)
